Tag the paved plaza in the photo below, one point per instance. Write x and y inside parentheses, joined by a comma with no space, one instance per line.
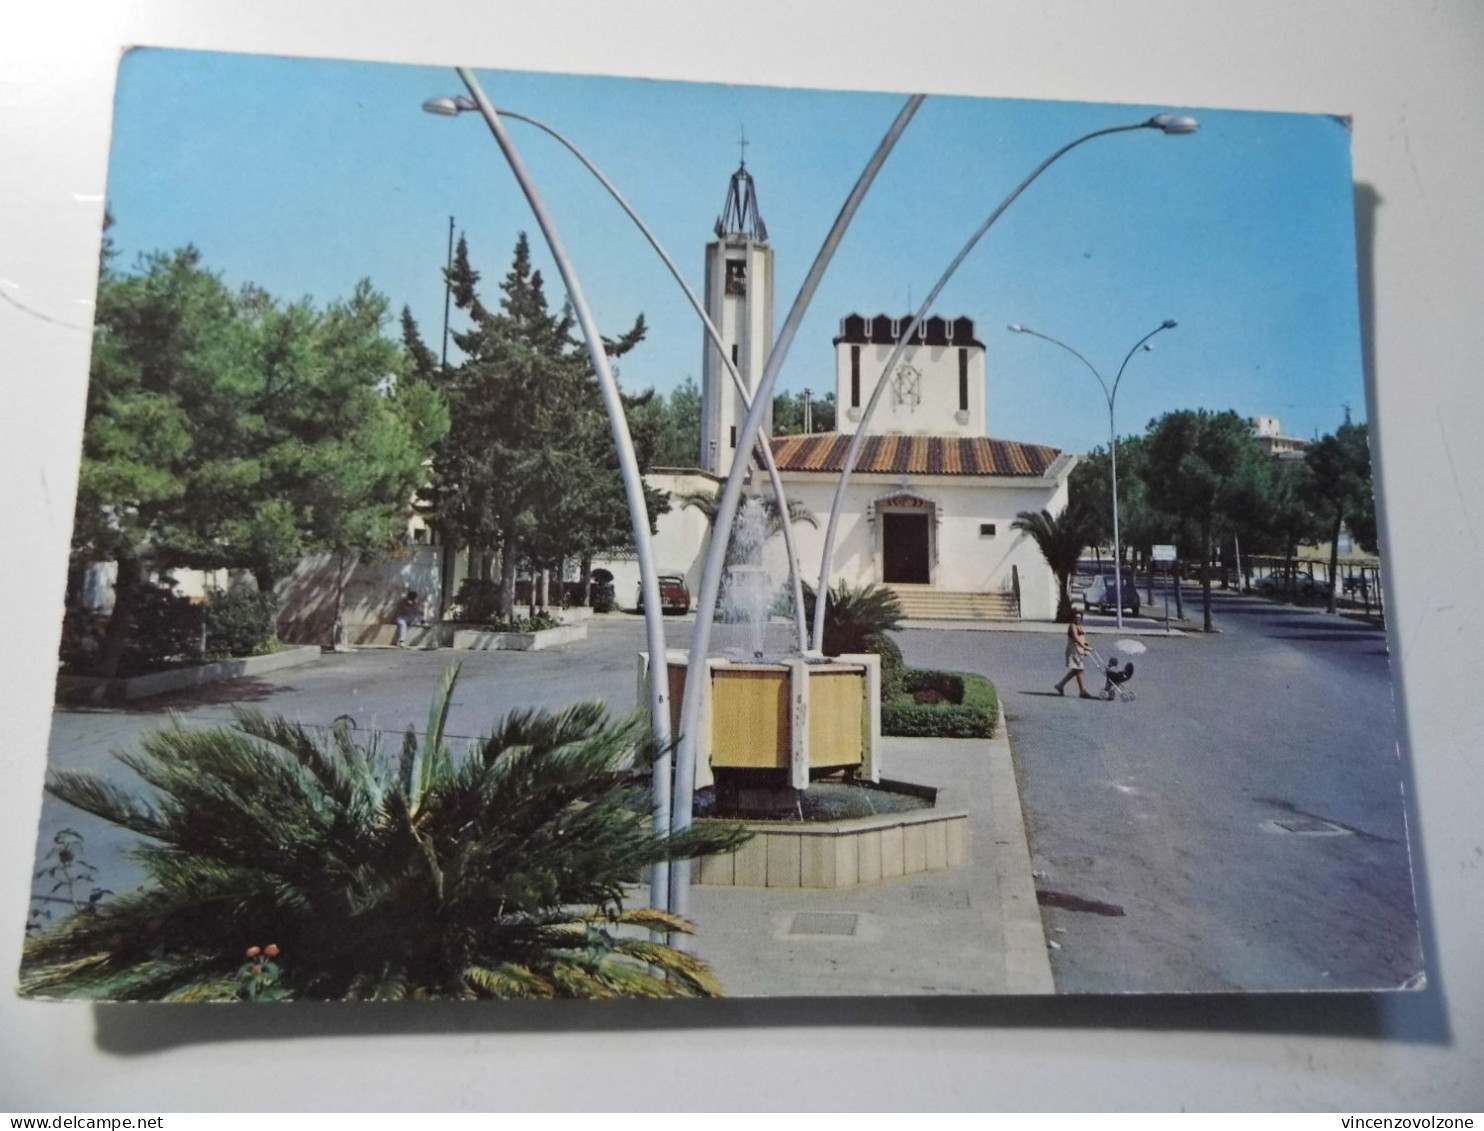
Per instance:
(1238,826)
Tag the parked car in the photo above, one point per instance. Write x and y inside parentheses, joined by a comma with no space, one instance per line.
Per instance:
(674,594)
(1102,594)
(1281,582)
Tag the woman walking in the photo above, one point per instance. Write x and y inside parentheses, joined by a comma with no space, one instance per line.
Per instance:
(1077,650)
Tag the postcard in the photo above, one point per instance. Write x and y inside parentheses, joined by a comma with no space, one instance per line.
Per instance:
(554,536)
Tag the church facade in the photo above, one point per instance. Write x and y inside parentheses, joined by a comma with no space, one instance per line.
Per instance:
(930,504)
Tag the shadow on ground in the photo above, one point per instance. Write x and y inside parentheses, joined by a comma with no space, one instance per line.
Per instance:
(126,1030)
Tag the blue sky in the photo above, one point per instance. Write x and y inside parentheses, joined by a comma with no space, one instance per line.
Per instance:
(304,176)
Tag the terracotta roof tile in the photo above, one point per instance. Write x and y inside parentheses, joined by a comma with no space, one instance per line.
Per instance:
(915,455)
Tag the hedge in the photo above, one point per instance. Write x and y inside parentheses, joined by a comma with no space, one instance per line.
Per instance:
(970,710)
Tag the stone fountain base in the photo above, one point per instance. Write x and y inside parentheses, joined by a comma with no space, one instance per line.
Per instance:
(841,854)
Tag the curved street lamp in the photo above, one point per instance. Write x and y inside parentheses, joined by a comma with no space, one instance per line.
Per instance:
(700,641)
(628,464)
(452,107)
(1110,392)
(1164,123)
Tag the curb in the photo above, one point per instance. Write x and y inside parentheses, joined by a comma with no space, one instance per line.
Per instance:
(88,689)
(1027,963)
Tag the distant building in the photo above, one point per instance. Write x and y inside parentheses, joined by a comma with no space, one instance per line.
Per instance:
(1268,432)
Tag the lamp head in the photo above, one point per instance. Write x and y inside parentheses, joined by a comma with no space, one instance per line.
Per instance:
(1016,328)
(449,107)
(1173,123)
(1168,324)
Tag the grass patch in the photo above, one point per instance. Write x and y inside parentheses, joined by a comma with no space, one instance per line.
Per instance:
(938,704)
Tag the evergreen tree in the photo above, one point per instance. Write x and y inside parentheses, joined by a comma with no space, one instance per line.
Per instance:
(529,466)
(1203,470)
(227,431)
(1341,488)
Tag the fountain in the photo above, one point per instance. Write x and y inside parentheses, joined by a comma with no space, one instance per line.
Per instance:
(774,720)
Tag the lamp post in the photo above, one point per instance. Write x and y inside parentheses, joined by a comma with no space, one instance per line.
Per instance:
(628,465)
(1110,392)
(451,107)
(1164,123)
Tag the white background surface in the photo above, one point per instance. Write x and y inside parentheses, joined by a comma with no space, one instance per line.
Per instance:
(1409,72)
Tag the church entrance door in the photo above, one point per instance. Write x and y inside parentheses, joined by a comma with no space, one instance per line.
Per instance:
(905,549)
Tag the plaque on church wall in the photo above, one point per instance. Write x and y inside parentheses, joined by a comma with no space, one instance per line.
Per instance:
(395,488)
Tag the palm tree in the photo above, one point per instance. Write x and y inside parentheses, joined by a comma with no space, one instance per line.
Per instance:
(855,620)
(707,502)
(1060,540)
(353,872)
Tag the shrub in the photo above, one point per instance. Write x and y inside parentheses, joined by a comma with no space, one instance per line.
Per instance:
(968,708)
(241,622)
(855,617)
(893,667)
(476,602)
(603,597)
(165,628)
(377,874)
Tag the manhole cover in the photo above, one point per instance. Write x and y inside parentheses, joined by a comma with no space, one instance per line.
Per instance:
(1306,826)
(937,897)
(822,923)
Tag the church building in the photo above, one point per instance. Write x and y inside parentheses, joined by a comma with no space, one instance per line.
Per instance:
(932,498)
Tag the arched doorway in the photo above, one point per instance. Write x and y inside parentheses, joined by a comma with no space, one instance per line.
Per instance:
(906,534)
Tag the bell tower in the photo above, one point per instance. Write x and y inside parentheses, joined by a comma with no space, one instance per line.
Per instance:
(739,301)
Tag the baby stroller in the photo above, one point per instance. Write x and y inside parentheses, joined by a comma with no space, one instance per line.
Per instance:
(1116,677)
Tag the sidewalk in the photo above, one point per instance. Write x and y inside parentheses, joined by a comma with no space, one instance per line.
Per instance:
(969,930)
(1094,626)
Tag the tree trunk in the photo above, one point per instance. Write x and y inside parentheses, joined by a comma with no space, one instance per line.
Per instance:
(338,640)
(127,580)
(587,580)
(1334,558)
(1175,584)
(1290,573)
(1063,598)
(1206,549)
(265,578)
(507,578)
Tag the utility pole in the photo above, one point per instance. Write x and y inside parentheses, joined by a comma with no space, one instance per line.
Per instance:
(447,296)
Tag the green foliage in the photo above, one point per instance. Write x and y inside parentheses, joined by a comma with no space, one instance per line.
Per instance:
(788,414)
(66,881)
(1203,469)
(241,622)
(1060,538)
(228,430)
(165,628)
(970,706)
(382,873)
(529,465)
(855,620)
(667,430)
(1341,490)
(893,666)
(604,598)
(477,602)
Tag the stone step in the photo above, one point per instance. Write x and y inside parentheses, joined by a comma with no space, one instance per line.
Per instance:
(942,604)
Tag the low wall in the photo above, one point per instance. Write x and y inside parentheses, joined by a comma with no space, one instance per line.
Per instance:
(90,689)
(841,854)
(482,640)
(373,594)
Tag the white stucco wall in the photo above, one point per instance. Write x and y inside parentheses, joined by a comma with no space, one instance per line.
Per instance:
(936,414)
(965,560)
(680,537)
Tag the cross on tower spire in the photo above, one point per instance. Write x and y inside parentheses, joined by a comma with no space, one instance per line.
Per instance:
(743,144)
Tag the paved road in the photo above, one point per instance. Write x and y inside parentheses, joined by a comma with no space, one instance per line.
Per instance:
(1167,807)
(379,688)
